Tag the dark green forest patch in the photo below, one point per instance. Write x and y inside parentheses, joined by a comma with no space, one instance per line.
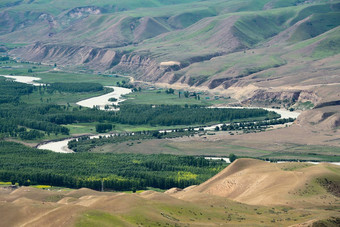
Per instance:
(26,165)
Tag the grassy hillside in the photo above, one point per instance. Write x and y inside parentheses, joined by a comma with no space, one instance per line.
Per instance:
(322,46)
(57,16)
(316,25)
(218,44)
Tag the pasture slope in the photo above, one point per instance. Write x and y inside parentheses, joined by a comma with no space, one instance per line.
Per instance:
(248,192)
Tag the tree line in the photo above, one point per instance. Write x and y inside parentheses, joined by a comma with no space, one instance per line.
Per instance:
(24,165)
(258,125)
(75,87)
(50,118)
(185,115)
(85,144)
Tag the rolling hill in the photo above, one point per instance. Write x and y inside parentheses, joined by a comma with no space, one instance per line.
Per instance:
(259,183)
(247,49)
(271,195)
(271,53)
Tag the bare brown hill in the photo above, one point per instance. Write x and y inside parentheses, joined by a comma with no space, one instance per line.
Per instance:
(284,194)
(260,183)
(325,118)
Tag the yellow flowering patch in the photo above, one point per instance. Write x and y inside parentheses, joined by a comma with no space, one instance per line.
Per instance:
(42,186)
(181,175)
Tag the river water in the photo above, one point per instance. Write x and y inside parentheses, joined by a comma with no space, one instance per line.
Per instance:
(101,101)
(25,79)
(61,146)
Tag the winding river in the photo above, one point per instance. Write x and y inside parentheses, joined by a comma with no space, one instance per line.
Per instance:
(99,101)
(61,146)
(103,100)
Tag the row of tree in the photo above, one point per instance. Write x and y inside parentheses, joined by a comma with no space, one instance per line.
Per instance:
(85,144)
(50,118)
(26,165)
(178,115)
(75,87)
(258,125)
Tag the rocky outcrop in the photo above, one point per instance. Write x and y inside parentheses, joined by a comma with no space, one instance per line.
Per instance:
(224,82)
(143,68)
(79,12)
(96,58)
(285,97)
(288,96)
(101,59)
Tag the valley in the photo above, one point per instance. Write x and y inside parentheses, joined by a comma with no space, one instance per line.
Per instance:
(170,113)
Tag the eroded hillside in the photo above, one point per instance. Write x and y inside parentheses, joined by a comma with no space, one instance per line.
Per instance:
(253,51)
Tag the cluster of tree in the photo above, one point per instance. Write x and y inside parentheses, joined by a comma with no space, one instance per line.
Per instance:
(4,58)
(43,126)
(301,158)
(139,89)
(170,91)
(11,91)
(30,135)
(113,99)
(103,127)
(187,94)
(85,144)
(15,114)
(75,87)
(232,157)
(124,84)
(50,117)
(188,115)
(30,116)
(26,165)
(258,125)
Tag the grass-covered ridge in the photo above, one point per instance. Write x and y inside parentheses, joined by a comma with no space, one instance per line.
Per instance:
(317,24)
(194,33)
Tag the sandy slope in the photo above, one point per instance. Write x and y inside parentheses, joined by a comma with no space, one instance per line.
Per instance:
(264,185)
(260,183)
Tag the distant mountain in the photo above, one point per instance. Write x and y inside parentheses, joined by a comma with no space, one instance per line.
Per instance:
(252,46)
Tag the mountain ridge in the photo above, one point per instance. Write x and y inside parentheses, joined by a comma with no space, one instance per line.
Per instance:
(219,50)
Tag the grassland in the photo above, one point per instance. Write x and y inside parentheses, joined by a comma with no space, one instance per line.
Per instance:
(205,145)
(15,68)
(159,96)
(48,75)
